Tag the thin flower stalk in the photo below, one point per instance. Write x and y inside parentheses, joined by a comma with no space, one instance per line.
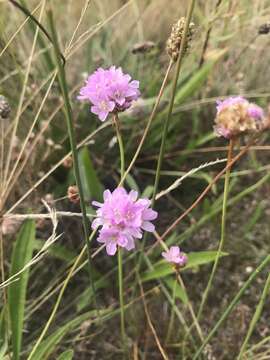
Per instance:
(208,188)
(174,86)
(149,123)
(119,255)
(72,139)
(56,305)
(59,298)
(179,259)
(255,318)
(232,305)
(121,296)
(223,228)
(167,121)
(120,144)
(171,321)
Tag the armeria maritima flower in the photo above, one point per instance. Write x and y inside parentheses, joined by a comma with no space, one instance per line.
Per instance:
(236,115)
(110,91)
(123,218)
(175,256)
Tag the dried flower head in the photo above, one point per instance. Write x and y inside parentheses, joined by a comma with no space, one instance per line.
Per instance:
(236,115)
(68,162)
(10,225)
(123,218)
(110,91)
(175,256)
(264,29)
(175,39)
(73,194)
(4,107)
(142,48)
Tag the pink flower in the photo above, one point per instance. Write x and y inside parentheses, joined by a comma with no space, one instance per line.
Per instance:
(174,255)
(109,91)
(123,218)
(236,115)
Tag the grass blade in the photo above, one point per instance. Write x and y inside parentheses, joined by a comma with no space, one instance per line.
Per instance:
(21,255)
(92,187)
(66,355)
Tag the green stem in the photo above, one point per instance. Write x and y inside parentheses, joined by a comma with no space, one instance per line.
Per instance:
(174,86)
(72,139)
(167,121)
(57,303)
(121,295)
(256,317)
(223,228)
(120,144)
(232,305)
(170,327)
(119,257)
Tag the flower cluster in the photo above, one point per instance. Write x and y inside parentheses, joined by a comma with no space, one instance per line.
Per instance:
(236,115)
(123,218)
(175,256)
(110,91)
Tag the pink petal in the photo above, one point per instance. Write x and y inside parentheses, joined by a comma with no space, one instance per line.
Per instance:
(149,214)
(111,248)
(174,250)
(133,195)
(147,226)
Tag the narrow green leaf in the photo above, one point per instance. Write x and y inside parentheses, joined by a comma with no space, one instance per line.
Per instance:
(47,346)
(66,355)
(91,185)
(3,333)
(179,291)
(132,183)
(56,250)
(148,191)
(42,43)
(21,255)
(85,298)
(200,76)
(162,268)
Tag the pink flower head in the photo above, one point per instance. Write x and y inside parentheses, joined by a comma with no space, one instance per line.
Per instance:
(236,115)
(175,256)
(109,90)
(229,102)
(123,218)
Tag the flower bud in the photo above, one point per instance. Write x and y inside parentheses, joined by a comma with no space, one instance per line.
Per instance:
(73,194)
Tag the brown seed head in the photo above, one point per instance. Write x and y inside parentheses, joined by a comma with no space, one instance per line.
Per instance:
(175,39)
(142,48)
(264,29)
(73,194)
